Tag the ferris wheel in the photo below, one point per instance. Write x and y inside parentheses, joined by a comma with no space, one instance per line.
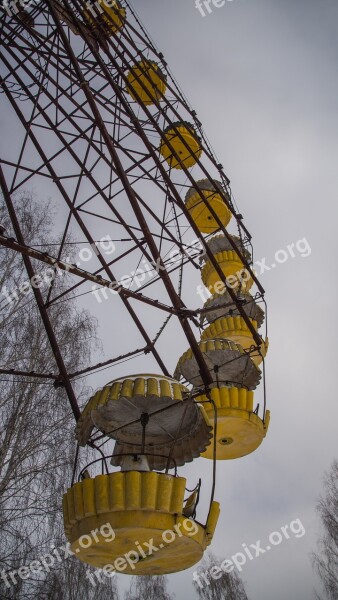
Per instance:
(100,124)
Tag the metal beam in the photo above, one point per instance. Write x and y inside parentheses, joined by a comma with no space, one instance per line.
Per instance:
(74,270)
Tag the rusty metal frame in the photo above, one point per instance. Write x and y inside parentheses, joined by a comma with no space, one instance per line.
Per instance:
(116,48)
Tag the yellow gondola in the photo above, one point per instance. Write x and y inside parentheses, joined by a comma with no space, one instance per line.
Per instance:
(135,508)
(200,212)
(238,278)
(230,263)
(220,243)
(146,82)
(228,364)
(239,430)
(115,408)
(236,329)
(111,17)
(222,305)
(185,145)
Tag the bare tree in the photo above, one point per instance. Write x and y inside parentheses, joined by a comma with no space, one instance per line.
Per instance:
(37,438)
(149,588)
(326,559)
(211,582)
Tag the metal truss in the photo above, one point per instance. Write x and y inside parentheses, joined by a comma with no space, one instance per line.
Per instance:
(81,138)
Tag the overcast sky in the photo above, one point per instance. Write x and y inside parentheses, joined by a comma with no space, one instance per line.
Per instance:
(262,76)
